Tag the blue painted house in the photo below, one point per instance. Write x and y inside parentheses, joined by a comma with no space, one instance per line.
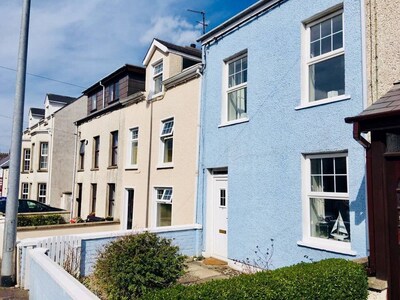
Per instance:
(277,160)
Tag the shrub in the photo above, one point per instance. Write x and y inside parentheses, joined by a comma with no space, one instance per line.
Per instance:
(328,279)
(39,220)
(134,264)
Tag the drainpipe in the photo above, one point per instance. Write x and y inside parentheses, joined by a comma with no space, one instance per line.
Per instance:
(71,208)
(104,93)
(199,129)
(364,55)
(148,197)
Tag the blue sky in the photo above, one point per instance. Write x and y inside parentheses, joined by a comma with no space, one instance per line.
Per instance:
(79,42)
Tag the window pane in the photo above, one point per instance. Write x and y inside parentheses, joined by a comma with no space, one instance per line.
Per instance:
(164,213)
(316,166)
(327,78)
(316,183)
(337,23)
(134,152)
(330,219)
(326,45)
(327,164)
(167,127)
(326,28)
(315,49)
(315,33)
(329,184)
(341,184)
(337,41)
(237,104)
(158,84)
(340,165)
(168,145)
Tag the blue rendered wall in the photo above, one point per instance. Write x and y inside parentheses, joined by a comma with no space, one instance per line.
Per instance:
(189,242)
(264,155)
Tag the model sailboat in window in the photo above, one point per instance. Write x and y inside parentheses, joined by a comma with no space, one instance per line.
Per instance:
(339,230)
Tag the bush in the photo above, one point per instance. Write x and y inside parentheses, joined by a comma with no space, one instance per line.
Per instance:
(134,264)
(39,220)
(328,279)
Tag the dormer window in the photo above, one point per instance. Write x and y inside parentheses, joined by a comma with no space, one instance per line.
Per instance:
(158,77)
(113,92)
(93,101)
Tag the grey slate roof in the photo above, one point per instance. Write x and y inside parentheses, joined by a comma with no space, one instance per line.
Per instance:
(187,50)
(37,111)
(60,98)
(4,160)
(388,105)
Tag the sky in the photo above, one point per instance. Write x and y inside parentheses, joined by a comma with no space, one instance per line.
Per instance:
(75,43)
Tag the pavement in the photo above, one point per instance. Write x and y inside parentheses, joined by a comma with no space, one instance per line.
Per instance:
(13,293)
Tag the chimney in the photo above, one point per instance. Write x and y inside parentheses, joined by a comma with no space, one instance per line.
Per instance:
(193,45)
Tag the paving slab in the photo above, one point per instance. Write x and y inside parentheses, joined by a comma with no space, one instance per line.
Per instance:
(13,293)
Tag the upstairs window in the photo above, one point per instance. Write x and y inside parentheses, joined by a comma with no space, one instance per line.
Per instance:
(93,102)
(113,92)
(96,152)
(325,60)
(236,92)
(158,77)
(134,136)
(114,148)
(167,140)
(26,163)
(43,158)
(82,154)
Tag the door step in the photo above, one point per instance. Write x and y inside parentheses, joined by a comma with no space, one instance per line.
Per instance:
(211,261)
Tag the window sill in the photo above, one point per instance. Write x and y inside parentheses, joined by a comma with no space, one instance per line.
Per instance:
(322,102)
(42,171)
(112,167)
(238,121)
(156,96)
(80,170)
(25,172)
(165,166)
(94,169)
(131,168)
(330,246)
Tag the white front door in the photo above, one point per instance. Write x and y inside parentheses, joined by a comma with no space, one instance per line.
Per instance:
(220,216)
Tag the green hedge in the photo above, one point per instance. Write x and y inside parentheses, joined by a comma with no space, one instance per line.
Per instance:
(327,279)
(39,220)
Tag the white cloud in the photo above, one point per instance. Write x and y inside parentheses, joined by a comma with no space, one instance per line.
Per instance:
(172,29)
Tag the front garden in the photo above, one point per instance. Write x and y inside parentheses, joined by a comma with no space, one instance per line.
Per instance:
(147,266)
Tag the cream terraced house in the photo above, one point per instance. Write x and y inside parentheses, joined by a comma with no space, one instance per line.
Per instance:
(47,151)
(136,155)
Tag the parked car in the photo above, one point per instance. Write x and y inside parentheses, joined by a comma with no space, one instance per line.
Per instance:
(27,206)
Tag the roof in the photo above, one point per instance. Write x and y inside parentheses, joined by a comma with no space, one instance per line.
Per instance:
(4,160)
(60,98)
(386,106)
(249,13)
(37,111)
(166,47)
(124,69)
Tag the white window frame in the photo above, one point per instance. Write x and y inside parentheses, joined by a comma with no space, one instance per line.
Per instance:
(158,74)
(133,140)
(24,190)
(227,90)
(316,242)
(164,137)
(43,158)
(165,199)
(26,166)
(307,61)
(42,195)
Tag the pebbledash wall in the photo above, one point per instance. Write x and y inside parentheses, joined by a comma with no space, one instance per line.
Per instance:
(265,156)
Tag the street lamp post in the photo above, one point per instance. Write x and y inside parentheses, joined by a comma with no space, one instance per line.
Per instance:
(10,228)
